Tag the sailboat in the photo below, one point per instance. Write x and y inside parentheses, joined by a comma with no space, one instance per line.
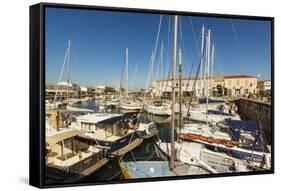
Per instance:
(195,153)
(67,158)
(239,139)
(207,129)
(145,169)
(158,107)
(212,111)
(223,135)
(128,104)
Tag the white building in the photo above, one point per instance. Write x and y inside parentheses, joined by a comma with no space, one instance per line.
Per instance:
(267,85)
(190,86)
(264,85)
(234,85)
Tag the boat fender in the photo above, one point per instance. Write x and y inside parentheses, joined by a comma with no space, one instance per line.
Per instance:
(147,129)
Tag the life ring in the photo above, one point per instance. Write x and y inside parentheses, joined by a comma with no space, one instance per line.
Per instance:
(147,128)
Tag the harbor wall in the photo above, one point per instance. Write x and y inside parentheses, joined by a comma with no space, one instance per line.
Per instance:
(258,111)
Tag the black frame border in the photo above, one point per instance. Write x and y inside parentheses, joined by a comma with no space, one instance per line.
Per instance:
(37,92)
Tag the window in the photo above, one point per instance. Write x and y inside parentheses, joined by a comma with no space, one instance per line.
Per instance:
(237,82)
(229,82)
(246,91)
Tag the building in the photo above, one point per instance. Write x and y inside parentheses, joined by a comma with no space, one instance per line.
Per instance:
(234,85)
(264,86)
(61,89)
(237,85)
(101,90)
(190,86)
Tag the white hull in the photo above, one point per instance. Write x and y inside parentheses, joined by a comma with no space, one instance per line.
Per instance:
(212,118)
(196,154)
(130,107)
(158,110)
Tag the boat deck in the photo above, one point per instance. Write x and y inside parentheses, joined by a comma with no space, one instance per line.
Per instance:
(102,135)
(95,167)
(128,147)
(153,169)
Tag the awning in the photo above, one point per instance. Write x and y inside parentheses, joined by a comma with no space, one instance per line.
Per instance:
(60,136)
(114,120)
(245,125)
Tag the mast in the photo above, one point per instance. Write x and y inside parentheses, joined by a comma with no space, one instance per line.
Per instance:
(161,60)
(126,73)
(205,66)
(201,58)
(172,162)
(68,72)
(180,90)
(212,66)
(208,71)
(162,67)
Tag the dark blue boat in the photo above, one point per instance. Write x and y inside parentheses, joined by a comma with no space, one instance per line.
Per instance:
(110,131)
(251,145)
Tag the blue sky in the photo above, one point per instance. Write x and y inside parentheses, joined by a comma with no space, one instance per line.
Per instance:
(99,39)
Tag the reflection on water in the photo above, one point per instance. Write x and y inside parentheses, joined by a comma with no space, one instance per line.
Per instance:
(144,152)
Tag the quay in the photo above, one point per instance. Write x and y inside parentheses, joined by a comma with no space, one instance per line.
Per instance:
(257,110)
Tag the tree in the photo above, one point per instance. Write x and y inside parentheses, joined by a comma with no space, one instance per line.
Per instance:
(109,90)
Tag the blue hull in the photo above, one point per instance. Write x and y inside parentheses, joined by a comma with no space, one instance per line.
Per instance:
(236,154)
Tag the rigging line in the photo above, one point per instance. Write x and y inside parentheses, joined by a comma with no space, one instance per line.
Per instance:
(133,155)
(61,73)
(154,51)
(167,80)
(148,158)
(111,178)
(169,68)
(232,135)
(263,138)
(122,78)
(168,49)
(157,68)
(134,77)
(169,26)
(194,37)
(74,57)
(238,44)
(192,66)
(196,43)
(157,38)
(194,84)
(152,60)
(218,61)
(216,57)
